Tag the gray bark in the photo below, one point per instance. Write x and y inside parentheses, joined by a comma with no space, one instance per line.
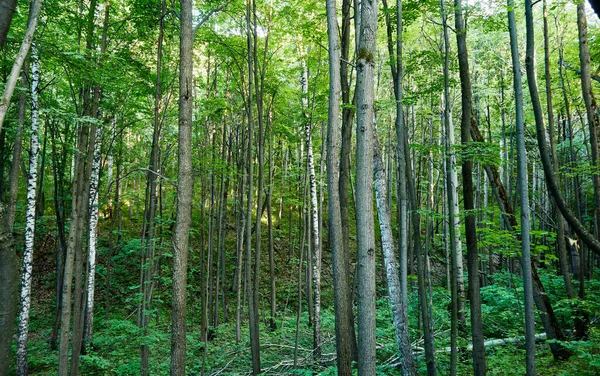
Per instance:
(16,68)
(342,302)
(15,168)
(8,294)
(399,310)
(7,8)
(184,193)
(524,194)
(365,67)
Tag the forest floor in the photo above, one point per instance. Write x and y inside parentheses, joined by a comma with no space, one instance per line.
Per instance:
(115,346)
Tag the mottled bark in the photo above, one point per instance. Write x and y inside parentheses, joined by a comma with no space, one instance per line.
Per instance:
(399,310)
(27,269)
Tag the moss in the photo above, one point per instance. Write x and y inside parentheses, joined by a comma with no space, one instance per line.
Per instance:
(363,53)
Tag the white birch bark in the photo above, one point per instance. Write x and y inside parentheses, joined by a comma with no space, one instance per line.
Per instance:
(26,275)
(92,237)
(314,216)
(399,311)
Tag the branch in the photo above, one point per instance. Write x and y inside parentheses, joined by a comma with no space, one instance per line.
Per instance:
(209,14)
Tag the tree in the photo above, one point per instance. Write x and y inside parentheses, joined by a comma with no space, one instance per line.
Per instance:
(399,309)
(479,365)
(524,193)
(8,10)
(184,193)
(365,81)
(341,301)
(36,6)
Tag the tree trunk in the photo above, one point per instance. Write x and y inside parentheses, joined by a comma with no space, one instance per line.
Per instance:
(26,275)
(8,10)
(479,364)
(342,301)
(524,195)
(561,246)
(8,294)
(11,83)
(252,310)
(15,168)
(184,193)
(399,310)
(365,67)
(92,240)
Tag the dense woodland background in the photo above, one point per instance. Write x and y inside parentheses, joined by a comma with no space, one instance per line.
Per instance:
(230,187)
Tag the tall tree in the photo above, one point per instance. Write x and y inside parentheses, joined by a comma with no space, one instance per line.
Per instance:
(11,82)
(524,194)
(8,8)
(365,83)
(399,310)
(341,300)
(183,223)
(8,294)
(26,275)
(479,365)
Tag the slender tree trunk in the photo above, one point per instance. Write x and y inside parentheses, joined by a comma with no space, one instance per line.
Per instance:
(184,193)
(15,168)
(58,172)
(399,311)
(342,301)
(479,364)
(560,225)
(524,194)
(590,107)
(455,246)
(252,310)
(26,275)
(11,83)
(92,240)
(273,295)
(8,294)
(365,67)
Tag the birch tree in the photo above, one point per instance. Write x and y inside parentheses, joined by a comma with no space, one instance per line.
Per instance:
(92,239)
(399,309)
(26,274)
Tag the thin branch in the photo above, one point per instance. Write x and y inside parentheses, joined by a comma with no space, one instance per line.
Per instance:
(209,14)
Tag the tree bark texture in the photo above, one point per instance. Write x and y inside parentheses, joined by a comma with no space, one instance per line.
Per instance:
(479,364)
(16,68)
(26,274)
(184,193)
(342,300)
(8,294)
(524,195)
(399,310)
(365,66)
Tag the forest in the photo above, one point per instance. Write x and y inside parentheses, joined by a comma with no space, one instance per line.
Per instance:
(352,187)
